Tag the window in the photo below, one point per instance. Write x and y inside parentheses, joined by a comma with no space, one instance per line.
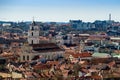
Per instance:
(23,57)
(32,28)
(39,34)
(48,57)
(32,42)
(27,57)
(32,33)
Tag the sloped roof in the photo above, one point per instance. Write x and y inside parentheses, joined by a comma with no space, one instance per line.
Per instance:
(46,47)
(84,54)
(101,55)
(118,56)
(42,66)
(53,62)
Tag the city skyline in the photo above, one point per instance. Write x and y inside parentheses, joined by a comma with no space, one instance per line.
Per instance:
(59,10)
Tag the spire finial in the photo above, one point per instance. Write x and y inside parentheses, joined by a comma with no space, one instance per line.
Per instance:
(33,22)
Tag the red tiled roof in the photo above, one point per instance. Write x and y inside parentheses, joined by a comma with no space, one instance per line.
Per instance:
(5,54)
(42,66)
(96,77)
(84,54)
(52,63)
(111,64)
(100,60)
(46,47)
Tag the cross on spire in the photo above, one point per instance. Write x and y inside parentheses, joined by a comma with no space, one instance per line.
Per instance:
(33,22)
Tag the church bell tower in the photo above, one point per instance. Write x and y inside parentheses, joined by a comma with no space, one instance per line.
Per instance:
(33,33)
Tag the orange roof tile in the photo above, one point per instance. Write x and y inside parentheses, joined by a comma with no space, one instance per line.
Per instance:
(85,54)
(52,63)
(96,77)
(42,66)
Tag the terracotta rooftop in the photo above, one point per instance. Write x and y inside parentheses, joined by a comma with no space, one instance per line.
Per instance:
(84,54)
(111,64)
(96,77)
(100,60)
(5,54)
(42,66)
(52,62)
(46,47)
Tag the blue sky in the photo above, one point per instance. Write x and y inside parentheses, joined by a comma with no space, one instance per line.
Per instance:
(59,10)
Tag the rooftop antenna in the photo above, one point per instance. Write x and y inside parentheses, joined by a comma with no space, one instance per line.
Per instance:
(33,22)
(110,17)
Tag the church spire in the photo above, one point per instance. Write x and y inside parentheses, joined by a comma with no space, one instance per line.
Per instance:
(33,22)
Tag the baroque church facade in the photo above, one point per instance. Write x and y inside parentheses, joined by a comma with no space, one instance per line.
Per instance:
(48,49)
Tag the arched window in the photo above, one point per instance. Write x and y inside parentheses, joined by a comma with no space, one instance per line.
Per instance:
(32,34)
(32,28)
(23,57)
(28,57)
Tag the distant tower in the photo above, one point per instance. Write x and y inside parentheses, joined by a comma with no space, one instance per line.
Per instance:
(109,17)
(33,33)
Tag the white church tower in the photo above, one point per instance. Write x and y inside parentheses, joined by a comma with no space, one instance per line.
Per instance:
(33,33)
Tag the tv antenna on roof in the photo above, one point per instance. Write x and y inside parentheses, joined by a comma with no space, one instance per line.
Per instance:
(110,17)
